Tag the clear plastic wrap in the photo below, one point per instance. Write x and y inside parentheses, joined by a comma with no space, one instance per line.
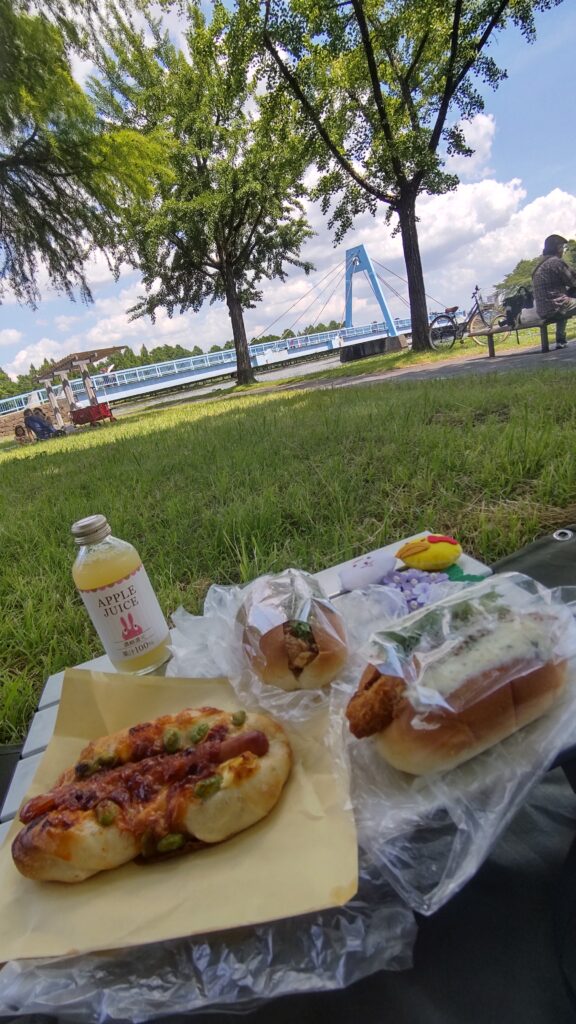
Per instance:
(216,643)
(292,635)
(232,972)
(429,833)
(251,633)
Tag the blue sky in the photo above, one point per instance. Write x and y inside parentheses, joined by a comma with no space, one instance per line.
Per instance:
(534,108)
(518,188)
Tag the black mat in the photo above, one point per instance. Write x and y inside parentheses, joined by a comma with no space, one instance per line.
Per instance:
(489,957)
(9,756)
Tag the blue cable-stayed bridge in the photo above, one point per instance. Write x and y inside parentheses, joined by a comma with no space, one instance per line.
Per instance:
(121,385)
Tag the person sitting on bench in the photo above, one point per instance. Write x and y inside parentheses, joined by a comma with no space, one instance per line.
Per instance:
(553,281)
(39,426)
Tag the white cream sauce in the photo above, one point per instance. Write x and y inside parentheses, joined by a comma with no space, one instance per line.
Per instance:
(523,637)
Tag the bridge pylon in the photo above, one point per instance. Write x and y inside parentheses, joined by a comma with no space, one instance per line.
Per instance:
(357,259)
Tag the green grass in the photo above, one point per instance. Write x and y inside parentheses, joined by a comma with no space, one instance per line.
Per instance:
(225,490)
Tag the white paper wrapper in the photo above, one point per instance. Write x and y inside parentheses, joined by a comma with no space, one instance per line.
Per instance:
(429,834)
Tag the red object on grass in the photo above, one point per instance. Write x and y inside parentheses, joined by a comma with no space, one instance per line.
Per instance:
(92,413)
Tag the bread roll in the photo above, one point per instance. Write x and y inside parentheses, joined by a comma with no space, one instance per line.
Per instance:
(292,636)
(298,655)
(455,702)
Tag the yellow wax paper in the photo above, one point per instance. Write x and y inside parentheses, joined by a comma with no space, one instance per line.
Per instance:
(302,857)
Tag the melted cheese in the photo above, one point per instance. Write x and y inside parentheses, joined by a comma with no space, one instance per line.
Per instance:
(235,770)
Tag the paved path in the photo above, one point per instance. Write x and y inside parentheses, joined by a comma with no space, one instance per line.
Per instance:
(531,359)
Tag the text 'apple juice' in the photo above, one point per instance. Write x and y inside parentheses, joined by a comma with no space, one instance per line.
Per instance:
(119,598)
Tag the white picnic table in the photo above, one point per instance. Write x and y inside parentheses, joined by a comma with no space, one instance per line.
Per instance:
(44,720)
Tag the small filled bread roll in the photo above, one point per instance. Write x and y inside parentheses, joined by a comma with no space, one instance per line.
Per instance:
(478,671)
(292,636)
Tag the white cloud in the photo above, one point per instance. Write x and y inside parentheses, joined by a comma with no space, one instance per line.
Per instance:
(81,68)
(473,235)
(46,348)
(98,271)
(64,323)
(479,134)
(9,336)
(501,232)
(120,303)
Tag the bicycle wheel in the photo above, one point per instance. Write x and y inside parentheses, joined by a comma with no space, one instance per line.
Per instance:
(442,332)
(489,317)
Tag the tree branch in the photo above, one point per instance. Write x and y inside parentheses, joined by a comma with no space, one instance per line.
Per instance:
(199,267)
(246,247)
(404,89)
(454,81)
(377,91)
(417,55)
(492,24)
(345,164)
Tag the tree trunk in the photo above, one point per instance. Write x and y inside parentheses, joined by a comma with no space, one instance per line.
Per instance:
(245,373)
(416,293)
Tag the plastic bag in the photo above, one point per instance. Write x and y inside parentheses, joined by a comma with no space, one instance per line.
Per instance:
(429,833)
(277,627)
(232,972)
(292,635)
(210,645)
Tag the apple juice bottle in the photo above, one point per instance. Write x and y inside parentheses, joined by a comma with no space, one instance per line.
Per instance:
(119,598)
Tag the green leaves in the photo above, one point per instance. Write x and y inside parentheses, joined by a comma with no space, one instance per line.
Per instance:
(227,211)
(65,177)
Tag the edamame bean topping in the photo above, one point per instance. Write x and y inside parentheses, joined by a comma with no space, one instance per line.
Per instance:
(173,841)
(172,741)
(198,732)
(106,812)
(206,787)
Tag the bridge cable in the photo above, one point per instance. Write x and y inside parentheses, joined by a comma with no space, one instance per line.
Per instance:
(400,278)
(309,306)
(333,270)
(337,285)
(393,290)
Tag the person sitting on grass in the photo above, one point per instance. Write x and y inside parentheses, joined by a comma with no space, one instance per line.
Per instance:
(39,426)
(554,284)
(42,416)
(22,435)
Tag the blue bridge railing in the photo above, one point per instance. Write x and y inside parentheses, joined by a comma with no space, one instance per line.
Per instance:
(136,380)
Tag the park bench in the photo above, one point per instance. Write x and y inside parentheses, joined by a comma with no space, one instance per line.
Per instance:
(519,326)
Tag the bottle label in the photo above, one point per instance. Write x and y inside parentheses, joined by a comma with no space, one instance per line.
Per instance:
(127,616)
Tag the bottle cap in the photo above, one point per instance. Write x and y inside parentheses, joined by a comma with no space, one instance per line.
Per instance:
(91,530)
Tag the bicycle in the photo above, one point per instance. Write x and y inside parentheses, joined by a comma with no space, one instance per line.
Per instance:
(445,328)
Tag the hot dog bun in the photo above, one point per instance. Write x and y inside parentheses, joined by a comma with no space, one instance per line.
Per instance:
(292,636)
(274,657)
(490,684)
(176,784)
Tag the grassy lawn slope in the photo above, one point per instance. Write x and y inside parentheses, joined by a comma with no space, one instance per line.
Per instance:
(223,491)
